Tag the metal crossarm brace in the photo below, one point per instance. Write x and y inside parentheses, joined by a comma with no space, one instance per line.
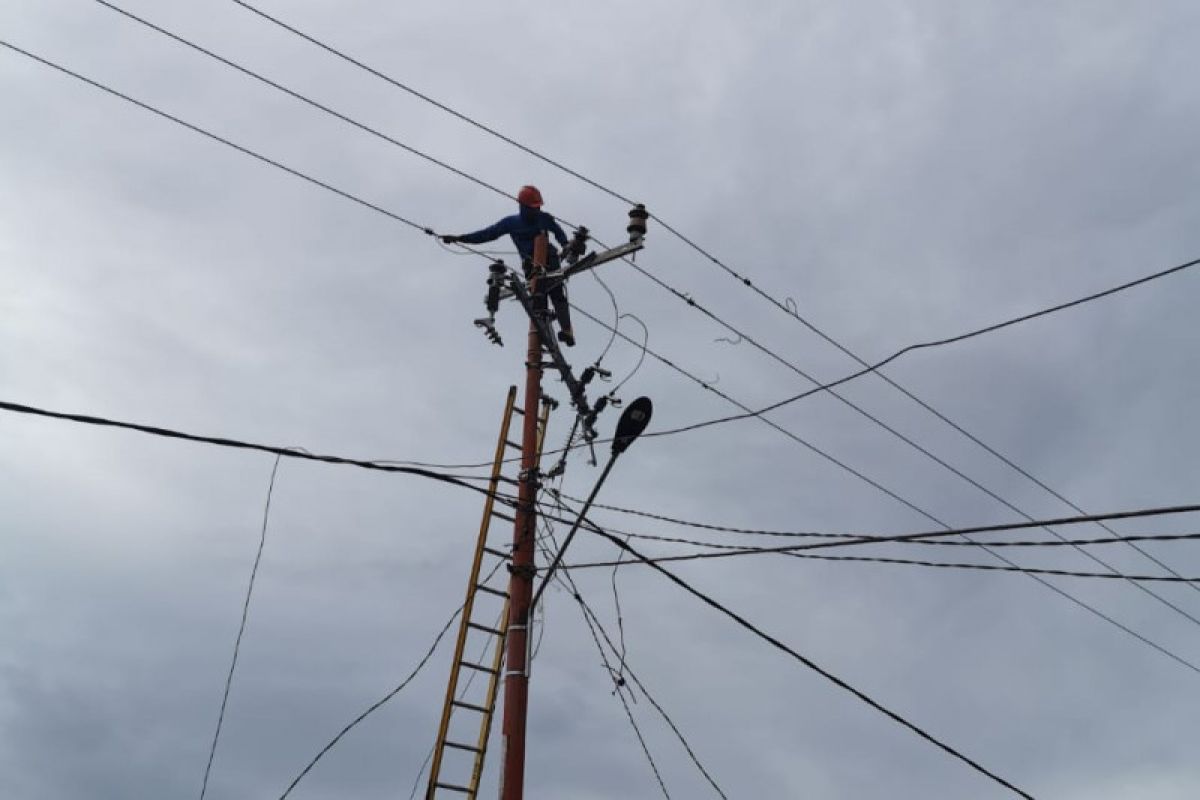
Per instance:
(574,386)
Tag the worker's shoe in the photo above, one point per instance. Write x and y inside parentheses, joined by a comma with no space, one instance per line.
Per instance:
(567,338)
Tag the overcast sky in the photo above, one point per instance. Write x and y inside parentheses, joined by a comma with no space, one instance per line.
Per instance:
(903,171)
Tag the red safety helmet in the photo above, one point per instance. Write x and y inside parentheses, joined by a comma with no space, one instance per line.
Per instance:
(530,196)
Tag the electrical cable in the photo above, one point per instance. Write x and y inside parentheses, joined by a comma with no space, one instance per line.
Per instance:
(618,682)
(588,612)
(788,306)
(633,722)
(618,562)
(963,533)
(288,452)
(779,645)
(237,643)
(462,693)
(215,137)
(913,537)
(860,537)
(622,654)
(878,486)
(932,543)
(374,706)
(425,97)
(616,314)
(641,356)
(429,231)
(907,440)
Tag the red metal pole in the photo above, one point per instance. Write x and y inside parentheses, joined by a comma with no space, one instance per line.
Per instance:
(520,585)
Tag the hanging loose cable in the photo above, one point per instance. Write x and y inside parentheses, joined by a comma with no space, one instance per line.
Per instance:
(644,348)
(616,315)
(430,232)
(237,643)
(810,664)
(618,682)
(383,700)
(588,612)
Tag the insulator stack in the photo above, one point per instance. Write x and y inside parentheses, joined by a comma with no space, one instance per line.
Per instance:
(495,280)
(637,223)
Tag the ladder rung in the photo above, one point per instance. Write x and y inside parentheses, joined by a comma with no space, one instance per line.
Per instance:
(485,629)
(490,590)
(505,517)
(453,787)
(470,706)
(497,553)
(469,747)
(480,668)
(512,444)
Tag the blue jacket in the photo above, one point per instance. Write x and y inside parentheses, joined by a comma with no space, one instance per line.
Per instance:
(523,227)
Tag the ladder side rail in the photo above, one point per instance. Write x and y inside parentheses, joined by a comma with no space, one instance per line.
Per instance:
(485,725)
(469,603)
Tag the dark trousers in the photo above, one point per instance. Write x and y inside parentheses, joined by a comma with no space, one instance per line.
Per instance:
(556,289)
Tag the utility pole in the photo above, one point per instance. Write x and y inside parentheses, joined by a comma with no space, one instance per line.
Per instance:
(520,585)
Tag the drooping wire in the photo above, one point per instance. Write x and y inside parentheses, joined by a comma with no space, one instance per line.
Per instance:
(589,613)
(812,665)
(383,700)
(788,305)
(619,562)
(616,315)
(642,357)
(462,693)
(431,232)
(618,681)
(562,513)
(374,706)
(941,462)
(789,308)
(237,643)
(287,452)
(991,551)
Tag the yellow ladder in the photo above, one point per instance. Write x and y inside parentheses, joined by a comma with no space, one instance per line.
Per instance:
(478,623)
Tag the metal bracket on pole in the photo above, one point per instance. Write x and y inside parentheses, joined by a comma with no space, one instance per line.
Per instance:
(578,263)
(574,385)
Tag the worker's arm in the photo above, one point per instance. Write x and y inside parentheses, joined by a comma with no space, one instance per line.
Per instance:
(488,234)
(557,230)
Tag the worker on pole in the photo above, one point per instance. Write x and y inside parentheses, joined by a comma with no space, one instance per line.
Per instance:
(523,228)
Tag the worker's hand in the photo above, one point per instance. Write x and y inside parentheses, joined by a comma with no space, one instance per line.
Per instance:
(449,238)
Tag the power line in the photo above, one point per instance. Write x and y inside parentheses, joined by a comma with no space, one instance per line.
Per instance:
(824,387)
(387,697)
(743,622)
(618,675)
(304,99)
(875,484)
(874,538)
(428,99)
(910,442)
(374,706)
(682,296)
(785,306)
(900,561)
(287,452)
(237,644)
(914,537)
(430,232)
(860,538)
(588,612)
(637,731)
(216,138)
